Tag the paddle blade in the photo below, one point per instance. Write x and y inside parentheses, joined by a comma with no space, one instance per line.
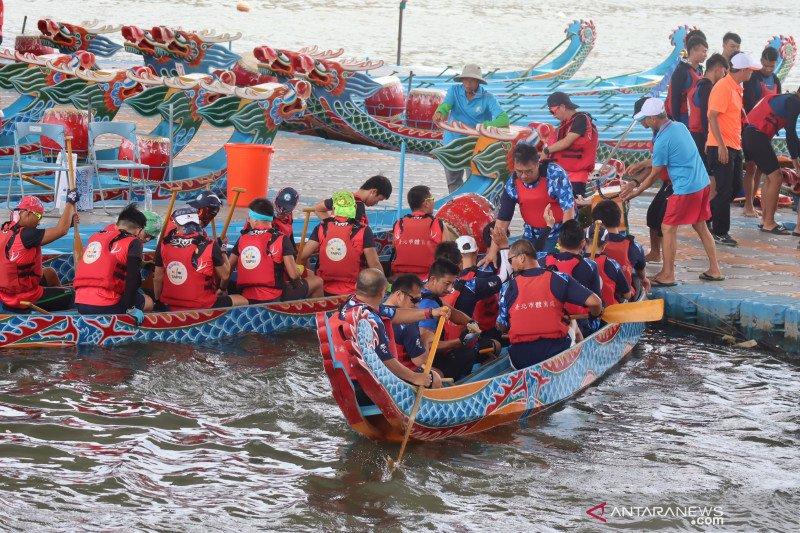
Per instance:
(644,311)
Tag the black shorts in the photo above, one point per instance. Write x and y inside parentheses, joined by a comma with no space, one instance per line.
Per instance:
(657,208)
(295,291)
(221,301)
(758,149)
(52,299)
(118,309)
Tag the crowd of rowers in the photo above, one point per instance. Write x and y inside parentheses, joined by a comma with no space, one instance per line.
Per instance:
(527,294)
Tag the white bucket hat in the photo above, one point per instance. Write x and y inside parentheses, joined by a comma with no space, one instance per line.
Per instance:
(466,244)
(471,70)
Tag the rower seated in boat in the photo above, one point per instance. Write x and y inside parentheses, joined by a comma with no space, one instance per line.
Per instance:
(406,294)
(108,274)
(190,267)
(285,202)
(570,260)
(264,261)
(615,287)
(622,248)
(533,307)
(416,235)
(207,205)
(475,290)
(344,244)
(366,304)
(22,277)
(458,348)
(375,190)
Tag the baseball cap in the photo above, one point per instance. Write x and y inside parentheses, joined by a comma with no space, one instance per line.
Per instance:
(185,215)
(652,107)
(637,106)
(153,225)
(743,60)
(466,244)
(560,98)
(206,199)
(344,204)
(286,200)
(31,203)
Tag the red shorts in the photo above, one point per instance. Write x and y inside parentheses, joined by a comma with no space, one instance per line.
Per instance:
(688,209)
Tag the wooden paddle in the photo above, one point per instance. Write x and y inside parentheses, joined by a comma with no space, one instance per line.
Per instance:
(77,243)
(307,211)
(420,390)
(35,182)
(595,238)
(231,207)
(34,307)
(172,196)
(644,311)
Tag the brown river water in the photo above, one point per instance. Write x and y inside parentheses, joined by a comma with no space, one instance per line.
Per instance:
(244,435)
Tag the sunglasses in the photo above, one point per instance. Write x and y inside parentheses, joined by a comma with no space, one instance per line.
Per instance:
(34,213)
(512,257)
(525,172)
(414,299)
(553,109)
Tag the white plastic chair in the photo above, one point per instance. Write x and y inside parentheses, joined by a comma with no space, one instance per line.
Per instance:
(36,161)
(125,130)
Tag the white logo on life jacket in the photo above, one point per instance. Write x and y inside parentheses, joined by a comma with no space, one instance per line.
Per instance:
(250,258)
(176,272)
(336,249)
(92,252)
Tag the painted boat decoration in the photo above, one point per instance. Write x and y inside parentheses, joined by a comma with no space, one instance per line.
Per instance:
(494,395)
(183,327)
(90,36)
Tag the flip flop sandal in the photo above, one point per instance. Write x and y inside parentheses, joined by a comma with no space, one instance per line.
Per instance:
(707,277)
(656,283)
(780,229)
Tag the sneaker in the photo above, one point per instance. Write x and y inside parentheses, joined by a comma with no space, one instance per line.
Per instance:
(725,240)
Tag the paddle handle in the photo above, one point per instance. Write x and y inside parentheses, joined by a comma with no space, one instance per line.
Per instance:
(172,197)
(305,230)
(77,243)
(595,238)
(231,207)
(36,182)
(34,307)
(556,47)
(420,390)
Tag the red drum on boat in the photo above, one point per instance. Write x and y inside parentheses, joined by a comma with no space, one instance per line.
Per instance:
(390,101)
(468,214)
(30,44)
(76,125)
(422,104)
(153,151)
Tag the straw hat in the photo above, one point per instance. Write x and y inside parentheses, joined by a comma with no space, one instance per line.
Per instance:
(473,71)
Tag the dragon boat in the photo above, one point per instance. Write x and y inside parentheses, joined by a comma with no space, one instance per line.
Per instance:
(59,330)
(493,395)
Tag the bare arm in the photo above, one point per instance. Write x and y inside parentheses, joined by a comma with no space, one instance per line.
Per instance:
(60,229)
(491,253)
(310,248)
(371,255)
(629,192)
(413,315)
(406,374)
(595,305)
(321,211)
(158,281)
(290,266)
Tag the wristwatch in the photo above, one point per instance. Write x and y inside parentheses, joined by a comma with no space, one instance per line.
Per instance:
(546,150)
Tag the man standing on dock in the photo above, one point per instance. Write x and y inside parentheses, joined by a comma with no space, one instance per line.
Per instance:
(674,149)
(470,104)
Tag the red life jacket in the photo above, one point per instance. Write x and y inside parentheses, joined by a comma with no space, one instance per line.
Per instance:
(284,225)
(103,266)
(452,330)
(342,324)
(260,263)
(415,238)
(341,248)
(694,109)
(567,266)
(766,90)
(609,292)
(189,281)
(533,200)
(579,159)
(764,119)
(536,313)
(20,268)
(618,251)
(487,311)
(695,77)
(400,350)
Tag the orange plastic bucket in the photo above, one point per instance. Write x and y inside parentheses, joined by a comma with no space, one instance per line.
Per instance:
(248,168)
